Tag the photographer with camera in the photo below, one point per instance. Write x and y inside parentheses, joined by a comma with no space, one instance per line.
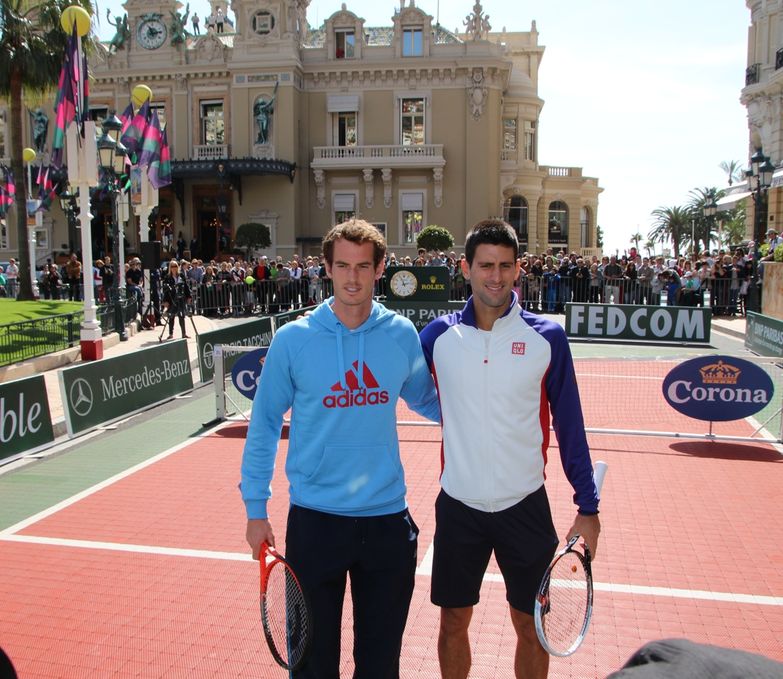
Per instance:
(176,297)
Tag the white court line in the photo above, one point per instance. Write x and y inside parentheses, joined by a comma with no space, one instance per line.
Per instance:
(123,547)
(425,569)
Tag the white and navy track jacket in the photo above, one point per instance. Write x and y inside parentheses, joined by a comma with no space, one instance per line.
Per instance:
(496,390)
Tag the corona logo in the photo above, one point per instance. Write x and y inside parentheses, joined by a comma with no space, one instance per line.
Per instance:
(719,373)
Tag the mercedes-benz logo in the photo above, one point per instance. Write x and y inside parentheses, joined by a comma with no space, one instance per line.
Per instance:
(209,360)
(80,396)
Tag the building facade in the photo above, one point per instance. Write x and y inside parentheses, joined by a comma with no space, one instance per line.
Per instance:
(271,121)
(763,98)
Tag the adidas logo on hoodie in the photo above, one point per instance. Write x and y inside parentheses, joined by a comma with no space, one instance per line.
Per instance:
(369,395)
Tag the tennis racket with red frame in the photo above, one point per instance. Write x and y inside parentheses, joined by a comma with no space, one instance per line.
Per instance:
(564,603)
(285,613)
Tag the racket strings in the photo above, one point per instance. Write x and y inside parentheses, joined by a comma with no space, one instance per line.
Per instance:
(285,616)
(565,605)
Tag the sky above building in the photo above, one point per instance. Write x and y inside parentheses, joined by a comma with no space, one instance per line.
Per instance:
(643,95)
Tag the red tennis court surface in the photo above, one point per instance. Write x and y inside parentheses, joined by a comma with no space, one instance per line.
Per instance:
(149,575)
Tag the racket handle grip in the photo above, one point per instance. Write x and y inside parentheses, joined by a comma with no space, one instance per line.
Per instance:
(599,472)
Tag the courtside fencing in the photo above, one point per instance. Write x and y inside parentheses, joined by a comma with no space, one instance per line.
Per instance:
(619,397)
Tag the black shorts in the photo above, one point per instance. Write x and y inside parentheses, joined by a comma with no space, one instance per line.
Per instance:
(523,538)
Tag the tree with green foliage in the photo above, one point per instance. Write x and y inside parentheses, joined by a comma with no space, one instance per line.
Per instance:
(252,235)
(705,228)
(599,236)
(434,237)
(635,239)
(671,224)
(733,170)
(32,45)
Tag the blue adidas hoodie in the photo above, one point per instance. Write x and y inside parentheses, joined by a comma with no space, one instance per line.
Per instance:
(342,388)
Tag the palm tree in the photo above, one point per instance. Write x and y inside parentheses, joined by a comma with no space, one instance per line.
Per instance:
(32,45)
(649,246)
(733,169)
(670,224)
(635,239)
(703,226)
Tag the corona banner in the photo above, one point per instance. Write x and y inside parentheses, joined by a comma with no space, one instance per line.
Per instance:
(717,388)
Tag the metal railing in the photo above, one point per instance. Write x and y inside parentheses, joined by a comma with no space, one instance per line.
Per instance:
(28,339)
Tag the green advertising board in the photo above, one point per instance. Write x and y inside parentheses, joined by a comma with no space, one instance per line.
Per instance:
(421,313)
(25,421)
(256,333)
(288,316)
(102,391)
(638,323)
(764,335)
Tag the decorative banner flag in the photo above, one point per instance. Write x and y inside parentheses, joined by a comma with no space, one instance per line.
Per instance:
(159,171)
(134,134)
(72,91)
(47,189)
(150,146)
(7,190)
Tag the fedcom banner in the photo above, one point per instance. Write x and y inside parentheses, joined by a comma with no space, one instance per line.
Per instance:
(25,422)
(641,323)
(102,391)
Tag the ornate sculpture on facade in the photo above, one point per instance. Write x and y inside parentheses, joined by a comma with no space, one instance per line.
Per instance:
(763,113)
(437,177)
(178,22)
(320,188)
(477,93)
(386,176)
(369,194)
(123,33)
(40,124)
(477,24)
(262,111)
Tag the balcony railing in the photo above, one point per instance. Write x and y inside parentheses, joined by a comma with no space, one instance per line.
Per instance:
(752,74)
(358,157)
(212,151)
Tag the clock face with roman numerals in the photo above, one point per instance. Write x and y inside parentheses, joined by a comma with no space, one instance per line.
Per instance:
(151,33)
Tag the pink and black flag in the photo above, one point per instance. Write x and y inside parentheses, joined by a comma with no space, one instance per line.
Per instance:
(7,190)
(72,91)
(133,133)
(151,143)
(159,171)
(47,190)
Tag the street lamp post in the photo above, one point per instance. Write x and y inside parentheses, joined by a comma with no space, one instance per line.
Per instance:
(759,176)
(710,210)
(111,155)
(69,208)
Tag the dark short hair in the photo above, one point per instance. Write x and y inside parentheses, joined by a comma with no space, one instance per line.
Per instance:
(492,232)
(356,231)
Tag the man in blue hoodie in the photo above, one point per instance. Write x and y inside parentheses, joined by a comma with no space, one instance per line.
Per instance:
(341,371)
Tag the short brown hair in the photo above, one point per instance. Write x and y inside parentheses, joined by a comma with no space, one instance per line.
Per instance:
(356,231)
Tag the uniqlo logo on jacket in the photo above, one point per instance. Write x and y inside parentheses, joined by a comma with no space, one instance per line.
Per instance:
(518,348)
(369,395)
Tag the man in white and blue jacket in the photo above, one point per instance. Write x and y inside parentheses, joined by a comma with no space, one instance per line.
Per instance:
(500,371)
(341,371)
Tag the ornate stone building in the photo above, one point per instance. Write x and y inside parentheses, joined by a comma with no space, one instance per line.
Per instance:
(763,97)
(404,125)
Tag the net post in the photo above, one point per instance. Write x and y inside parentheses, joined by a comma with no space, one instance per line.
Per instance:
(218,382)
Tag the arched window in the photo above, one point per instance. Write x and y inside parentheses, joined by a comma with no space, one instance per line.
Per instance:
(557,222)
(515,209)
